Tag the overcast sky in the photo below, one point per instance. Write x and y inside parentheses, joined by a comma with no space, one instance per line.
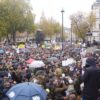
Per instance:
(52,8)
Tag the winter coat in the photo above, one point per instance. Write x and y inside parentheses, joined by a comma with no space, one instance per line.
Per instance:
(91,79)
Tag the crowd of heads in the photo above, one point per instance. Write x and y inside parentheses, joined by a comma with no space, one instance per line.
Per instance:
(58,81)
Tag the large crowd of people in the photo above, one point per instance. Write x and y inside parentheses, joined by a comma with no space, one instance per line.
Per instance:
(75,81)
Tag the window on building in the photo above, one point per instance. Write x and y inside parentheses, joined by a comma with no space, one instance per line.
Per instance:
(99,26)
(99,13)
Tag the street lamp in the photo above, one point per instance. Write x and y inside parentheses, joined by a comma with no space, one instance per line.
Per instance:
(62,11)
(71,39)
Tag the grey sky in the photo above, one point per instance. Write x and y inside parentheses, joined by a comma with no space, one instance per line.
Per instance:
(52,8)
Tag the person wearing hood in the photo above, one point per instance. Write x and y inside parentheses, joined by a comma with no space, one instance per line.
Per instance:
(91,80)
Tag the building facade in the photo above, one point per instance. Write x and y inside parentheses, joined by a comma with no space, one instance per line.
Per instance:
(96,28)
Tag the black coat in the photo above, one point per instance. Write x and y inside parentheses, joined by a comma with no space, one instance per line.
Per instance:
(91,79)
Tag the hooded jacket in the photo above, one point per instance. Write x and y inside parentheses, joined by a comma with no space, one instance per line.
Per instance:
(91,79)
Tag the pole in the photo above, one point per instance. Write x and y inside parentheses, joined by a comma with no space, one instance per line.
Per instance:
(71,34)
(62,11)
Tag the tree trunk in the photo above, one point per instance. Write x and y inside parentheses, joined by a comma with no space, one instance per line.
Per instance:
(14,37)
(7,38)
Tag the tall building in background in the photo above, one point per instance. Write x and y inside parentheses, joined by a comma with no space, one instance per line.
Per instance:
(96,28)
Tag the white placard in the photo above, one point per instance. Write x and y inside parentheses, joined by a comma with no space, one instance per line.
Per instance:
(36,98)
(64,63)
(11,94)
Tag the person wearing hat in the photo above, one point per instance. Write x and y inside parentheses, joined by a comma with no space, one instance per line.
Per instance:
(91,80)
(59,85)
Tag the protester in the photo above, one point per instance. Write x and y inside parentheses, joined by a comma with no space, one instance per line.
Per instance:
(61,82)
(91,79)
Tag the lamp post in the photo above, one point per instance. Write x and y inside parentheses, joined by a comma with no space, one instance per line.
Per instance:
(71,39)
(62,11)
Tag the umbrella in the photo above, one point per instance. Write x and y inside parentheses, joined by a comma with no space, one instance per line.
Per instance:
(20,46)
(97,51)
(56,47)
(52,59)
(91,49)
(40,72)
(29,61)
(37,64)
(27,91)
(2,51)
